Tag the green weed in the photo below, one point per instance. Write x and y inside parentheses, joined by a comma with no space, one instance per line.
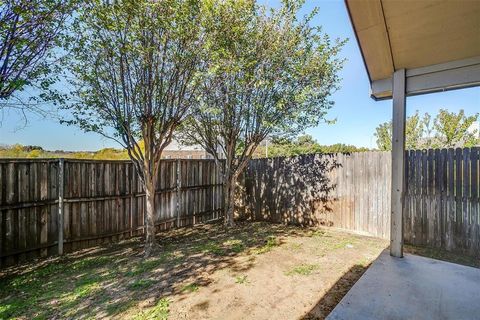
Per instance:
(272,242)
(119,307)
(140,284)
(159,311)
(317,233)
(147,265)
(210,247)
(236,245)
(241,279)
(304,270)
(192,287)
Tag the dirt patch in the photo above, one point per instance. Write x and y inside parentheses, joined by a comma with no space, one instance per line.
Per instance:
(261,270)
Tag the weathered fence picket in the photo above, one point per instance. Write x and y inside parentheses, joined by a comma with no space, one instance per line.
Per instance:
(352,191)
(349,191)
(98,202)
(103,201)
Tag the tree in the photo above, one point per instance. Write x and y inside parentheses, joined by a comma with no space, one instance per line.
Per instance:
(28,32)
(415,127)
(342,148)
(449,130)
(414,130)
(304,144)
(132,76)
(383,133)
(268,74)
(452,129)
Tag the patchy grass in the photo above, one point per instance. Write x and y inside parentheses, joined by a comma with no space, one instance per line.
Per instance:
(303,270)
(235,245)
(115,281)
(159,311)
(141,284)
(75,285)
(364,262)
(191,287)
(147,265)
(317,233)
(271,243)
(119,307)
(295,246)
(210,247)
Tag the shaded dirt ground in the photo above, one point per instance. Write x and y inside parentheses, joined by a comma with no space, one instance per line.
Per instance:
(444,255)
(254,271)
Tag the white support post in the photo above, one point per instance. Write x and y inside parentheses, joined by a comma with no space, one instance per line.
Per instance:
(398,163)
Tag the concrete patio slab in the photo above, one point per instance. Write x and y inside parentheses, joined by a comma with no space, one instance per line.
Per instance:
(412,287)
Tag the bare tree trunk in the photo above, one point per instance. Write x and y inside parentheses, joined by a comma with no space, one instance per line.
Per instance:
(229,186)
(149,214)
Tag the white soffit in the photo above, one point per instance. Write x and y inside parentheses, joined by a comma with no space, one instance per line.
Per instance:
(438,42)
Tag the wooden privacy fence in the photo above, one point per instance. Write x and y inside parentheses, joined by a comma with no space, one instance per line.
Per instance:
(102,201)
(352,191)
(51,205)
(442,202)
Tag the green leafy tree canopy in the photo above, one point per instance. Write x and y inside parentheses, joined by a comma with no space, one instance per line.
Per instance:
(29,33)
(132,71)
(449,130)
(268,73)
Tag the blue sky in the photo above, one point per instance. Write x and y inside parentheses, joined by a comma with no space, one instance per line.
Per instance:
(356,113)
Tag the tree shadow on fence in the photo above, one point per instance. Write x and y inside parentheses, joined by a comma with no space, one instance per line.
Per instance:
(292,190)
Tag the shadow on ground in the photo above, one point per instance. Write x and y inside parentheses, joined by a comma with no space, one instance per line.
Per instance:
(114,280)
(336,293)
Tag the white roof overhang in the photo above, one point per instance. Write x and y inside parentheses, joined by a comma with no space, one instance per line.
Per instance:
(436,42)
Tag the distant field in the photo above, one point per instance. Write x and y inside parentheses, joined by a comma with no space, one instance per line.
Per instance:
(19,151)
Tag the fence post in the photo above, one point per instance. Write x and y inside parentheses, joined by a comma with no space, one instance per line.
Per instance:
(61,173)
(132,198)
(179,181)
